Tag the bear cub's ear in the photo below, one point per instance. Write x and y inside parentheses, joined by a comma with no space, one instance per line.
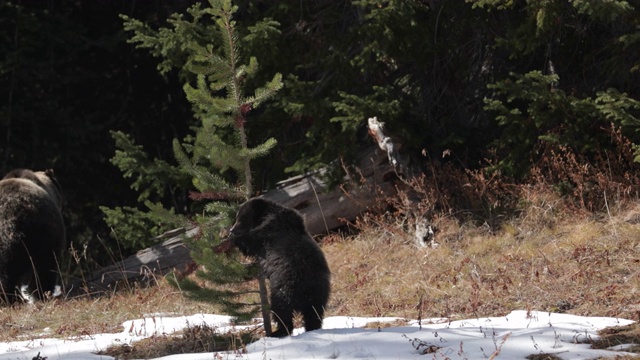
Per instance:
(251,215)
(258,209)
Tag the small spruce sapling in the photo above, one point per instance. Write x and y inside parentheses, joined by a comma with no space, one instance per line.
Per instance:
(219,151)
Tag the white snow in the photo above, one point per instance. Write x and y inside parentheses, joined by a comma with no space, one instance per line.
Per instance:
(514,336)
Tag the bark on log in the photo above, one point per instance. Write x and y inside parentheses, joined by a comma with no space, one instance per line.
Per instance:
(324,209)
(142,269)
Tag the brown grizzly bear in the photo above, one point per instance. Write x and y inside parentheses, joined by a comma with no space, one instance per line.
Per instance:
(32,234)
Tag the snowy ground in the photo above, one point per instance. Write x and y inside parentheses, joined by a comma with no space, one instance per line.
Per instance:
(514,336)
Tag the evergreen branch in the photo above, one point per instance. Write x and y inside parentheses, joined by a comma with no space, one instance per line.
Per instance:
(210,195)
(260,150)
(133,161)
(202,178)
(252,68)
(268,91)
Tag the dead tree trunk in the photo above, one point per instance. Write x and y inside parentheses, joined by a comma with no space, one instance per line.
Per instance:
(325,209)
(141,269)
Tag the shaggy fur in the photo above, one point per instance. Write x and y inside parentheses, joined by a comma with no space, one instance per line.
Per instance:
(32,233)
(297,270)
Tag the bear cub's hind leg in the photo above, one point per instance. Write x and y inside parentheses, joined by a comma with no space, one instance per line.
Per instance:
(313,317)
(284,318)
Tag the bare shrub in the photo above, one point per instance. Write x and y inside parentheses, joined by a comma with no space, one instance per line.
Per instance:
(588,183)
(481,196)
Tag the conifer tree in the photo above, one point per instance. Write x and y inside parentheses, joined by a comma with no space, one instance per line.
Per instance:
(220,149)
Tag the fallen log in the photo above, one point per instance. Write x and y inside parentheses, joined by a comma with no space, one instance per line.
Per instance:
(324,209)
(142,269)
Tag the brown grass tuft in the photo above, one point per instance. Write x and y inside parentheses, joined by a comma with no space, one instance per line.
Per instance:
(619,335)
(196,339)
(543,357)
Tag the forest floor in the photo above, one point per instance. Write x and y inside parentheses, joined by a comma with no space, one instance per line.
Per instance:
(542,260)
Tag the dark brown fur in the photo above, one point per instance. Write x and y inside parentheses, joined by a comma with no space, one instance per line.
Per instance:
(32,233)
(297,270)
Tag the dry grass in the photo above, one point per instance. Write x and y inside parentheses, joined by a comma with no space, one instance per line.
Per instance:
(578,265)
(543,357)
(196,339)
(620,335)
(83,316)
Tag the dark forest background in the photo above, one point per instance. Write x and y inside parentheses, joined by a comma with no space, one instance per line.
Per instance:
(495,85)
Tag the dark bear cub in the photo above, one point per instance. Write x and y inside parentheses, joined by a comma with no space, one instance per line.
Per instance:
(297,270)
(32,234)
